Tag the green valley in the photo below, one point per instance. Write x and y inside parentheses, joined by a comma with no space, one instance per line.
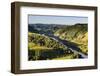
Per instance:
(56,42)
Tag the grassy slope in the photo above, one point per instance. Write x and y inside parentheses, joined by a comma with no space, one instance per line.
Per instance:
(35,48)
(70,56)
(38,40)
(77,34)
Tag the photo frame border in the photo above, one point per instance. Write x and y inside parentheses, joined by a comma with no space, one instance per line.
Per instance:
(15,37)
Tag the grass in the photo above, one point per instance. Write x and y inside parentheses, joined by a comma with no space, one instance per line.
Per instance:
(77,34)
(33,46)
(70,56)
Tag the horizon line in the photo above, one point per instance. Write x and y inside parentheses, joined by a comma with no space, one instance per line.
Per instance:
(58,24)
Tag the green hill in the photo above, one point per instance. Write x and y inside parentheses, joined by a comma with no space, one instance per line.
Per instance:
(54,41)
(76,33)
(43,41)
(41,47)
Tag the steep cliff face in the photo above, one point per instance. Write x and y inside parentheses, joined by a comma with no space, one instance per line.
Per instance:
(76,33)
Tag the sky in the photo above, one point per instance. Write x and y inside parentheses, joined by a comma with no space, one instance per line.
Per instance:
(68,20)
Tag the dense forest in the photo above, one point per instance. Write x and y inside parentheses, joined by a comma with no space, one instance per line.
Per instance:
(57,41)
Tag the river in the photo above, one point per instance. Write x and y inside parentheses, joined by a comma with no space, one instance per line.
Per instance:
(72,46)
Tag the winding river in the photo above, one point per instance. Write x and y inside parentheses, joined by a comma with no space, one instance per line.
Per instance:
(72,46)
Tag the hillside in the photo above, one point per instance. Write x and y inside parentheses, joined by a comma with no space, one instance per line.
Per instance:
(42,47)
(55,41)
(77,33)
(42,40)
